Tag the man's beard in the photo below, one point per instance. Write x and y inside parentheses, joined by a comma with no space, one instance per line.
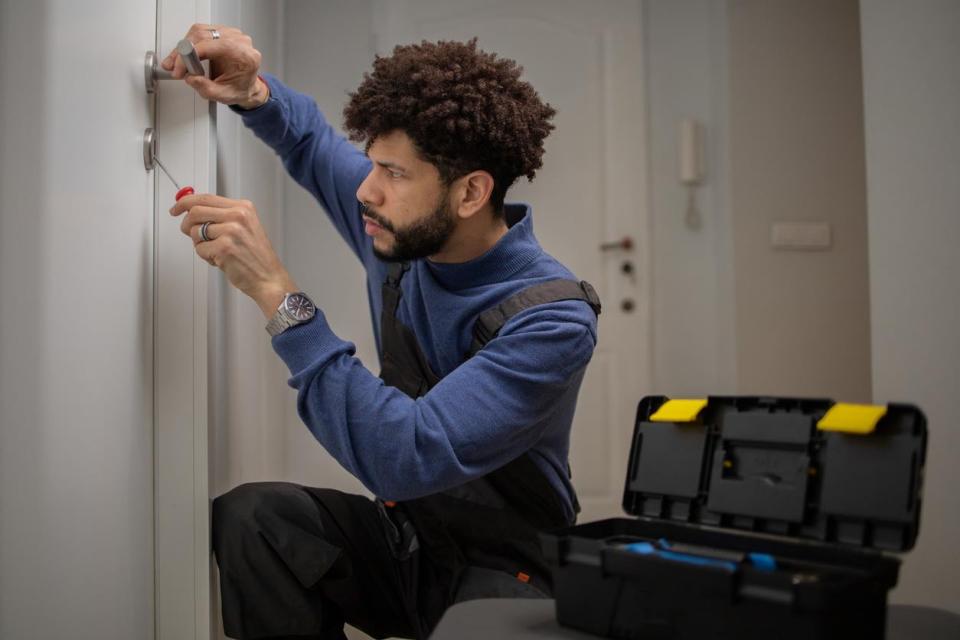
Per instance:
(421,238)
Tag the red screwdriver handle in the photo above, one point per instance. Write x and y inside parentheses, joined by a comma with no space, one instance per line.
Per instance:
(186,191)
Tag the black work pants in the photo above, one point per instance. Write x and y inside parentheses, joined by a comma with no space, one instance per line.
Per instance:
(299,562)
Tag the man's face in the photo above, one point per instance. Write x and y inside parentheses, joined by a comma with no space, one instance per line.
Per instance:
(407,210)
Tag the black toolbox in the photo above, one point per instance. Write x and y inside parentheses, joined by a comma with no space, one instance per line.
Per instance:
(755,518)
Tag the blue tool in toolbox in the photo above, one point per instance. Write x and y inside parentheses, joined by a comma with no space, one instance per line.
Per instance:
(752,517)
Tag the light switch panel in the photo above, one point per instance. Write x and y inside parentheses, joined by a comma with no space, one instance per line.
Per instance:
(800,236)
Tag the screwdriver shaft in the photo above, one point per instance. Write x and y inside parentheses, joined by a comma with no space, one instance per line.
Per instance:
(166,173)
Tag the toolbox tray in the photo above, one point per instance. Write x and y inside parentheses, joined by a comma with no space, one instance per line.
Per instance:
(753,517)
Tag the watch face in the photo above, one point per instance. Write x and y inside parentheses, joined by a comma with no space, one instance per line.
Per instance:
(299,306)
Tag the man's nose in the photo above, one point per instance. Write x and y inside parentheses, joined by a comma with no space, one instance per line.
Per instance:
(367,192)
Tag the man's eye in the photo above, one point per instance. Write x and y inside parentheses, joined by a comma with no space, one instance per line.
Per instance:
(396,174)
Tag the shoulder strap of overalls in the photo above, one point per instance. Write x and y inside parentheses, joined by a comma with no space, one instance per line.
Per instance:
(391,286)
(490,322)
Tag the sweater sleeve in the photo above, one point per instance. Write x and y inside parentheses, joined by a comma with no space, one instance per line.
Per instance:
(489,410)
(315,155)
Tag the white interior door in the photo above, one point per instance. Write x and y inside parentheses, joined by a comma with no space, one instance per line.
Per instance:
(103,486)
(76,321)
(584,58)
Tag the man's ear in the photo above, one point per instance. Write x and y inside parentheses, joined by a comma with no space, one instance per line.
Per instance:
(473,193)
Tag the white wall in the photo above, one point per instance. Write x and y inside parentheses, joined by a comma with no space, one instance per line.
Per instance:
(76,335)
(912,102)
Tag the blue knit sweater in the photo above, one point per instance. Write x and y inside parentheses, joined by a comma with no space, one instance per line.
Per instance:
(518,394)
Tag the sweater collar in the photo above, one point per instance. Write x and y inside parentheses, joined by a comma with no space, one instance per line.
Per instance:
(515,250)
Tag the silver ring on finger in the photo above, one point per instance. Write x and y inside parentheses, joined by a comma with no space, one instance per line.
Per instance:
(214,33)
(203,232)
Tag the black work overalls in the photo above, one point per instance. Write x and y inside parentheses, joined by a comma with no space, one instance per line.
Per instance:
(491,522)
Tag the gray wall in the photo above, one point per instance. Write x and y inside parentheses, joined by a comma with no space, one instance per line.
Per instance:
(912,102)
(326,68)
(76,334)
(796,154)
(693,290)
(248,399)
(247,380)
(777,86)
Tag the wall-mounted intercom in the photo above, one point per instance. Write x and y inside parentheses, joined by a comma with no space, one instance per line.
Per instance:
(691,155)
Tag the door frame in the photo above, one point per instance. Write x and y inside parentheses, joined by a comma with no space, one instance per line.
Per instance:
(186,129)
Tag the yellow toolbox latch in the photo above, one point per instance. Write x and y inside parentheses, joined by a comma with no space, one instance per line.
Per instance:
(679,410)
(859,419)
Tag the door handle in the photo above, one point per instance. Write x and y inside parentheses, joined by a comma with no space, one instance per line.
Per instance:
(625,244)
(153,72)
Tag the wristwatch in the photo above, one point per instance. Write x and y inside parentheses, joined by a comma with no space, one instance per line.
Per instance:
(295,309)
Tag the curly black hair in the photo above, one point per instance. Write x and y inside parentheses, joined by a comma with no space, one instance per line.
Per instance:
(465,110)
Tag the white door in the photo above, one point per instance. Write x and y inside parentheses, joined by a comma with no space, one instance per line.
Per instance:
(585,59)
(103,501)
(76,321)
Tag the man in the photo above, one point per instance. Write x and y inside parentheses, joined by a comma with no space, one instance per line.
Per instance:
(483,341)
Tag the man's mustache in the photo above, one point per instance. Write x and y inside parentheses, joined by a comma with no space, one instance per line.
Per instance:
(376,217)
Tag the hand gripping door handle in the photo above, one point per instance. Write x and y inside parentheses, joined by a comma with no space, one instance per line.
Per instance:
(153,72)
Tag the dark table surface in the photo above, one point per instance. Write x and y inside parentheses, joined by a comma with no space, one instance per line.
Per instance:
(533,618)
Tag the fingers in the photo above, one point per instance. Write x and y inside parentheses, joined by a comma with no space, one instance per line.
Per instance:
(210,200)
(219,211)
(241,55)
(209,89)
(201,31)
(175,64)
(206,50)
(212,49)
(194,34)
(212,251)
(200,214)
(199,34)
(202,199)
(213,232)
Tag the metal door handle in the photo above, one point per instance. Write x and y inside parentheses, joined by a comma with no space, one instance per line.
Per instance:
(625,243)
(153,72)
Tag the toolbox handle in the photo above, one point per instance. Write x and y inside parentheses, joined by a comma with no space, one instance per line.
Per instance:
(678,410)
(857,419)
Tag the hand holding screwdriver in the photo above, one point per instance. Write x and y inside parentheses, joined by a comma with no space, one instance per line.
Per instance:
(227,233)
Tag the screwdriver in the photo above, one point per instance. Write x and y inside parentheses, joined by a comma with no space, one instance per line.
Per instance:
(185,191)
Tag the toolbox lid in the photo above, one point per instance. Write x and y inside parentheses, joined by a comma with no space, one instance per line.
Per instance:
(804,468)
